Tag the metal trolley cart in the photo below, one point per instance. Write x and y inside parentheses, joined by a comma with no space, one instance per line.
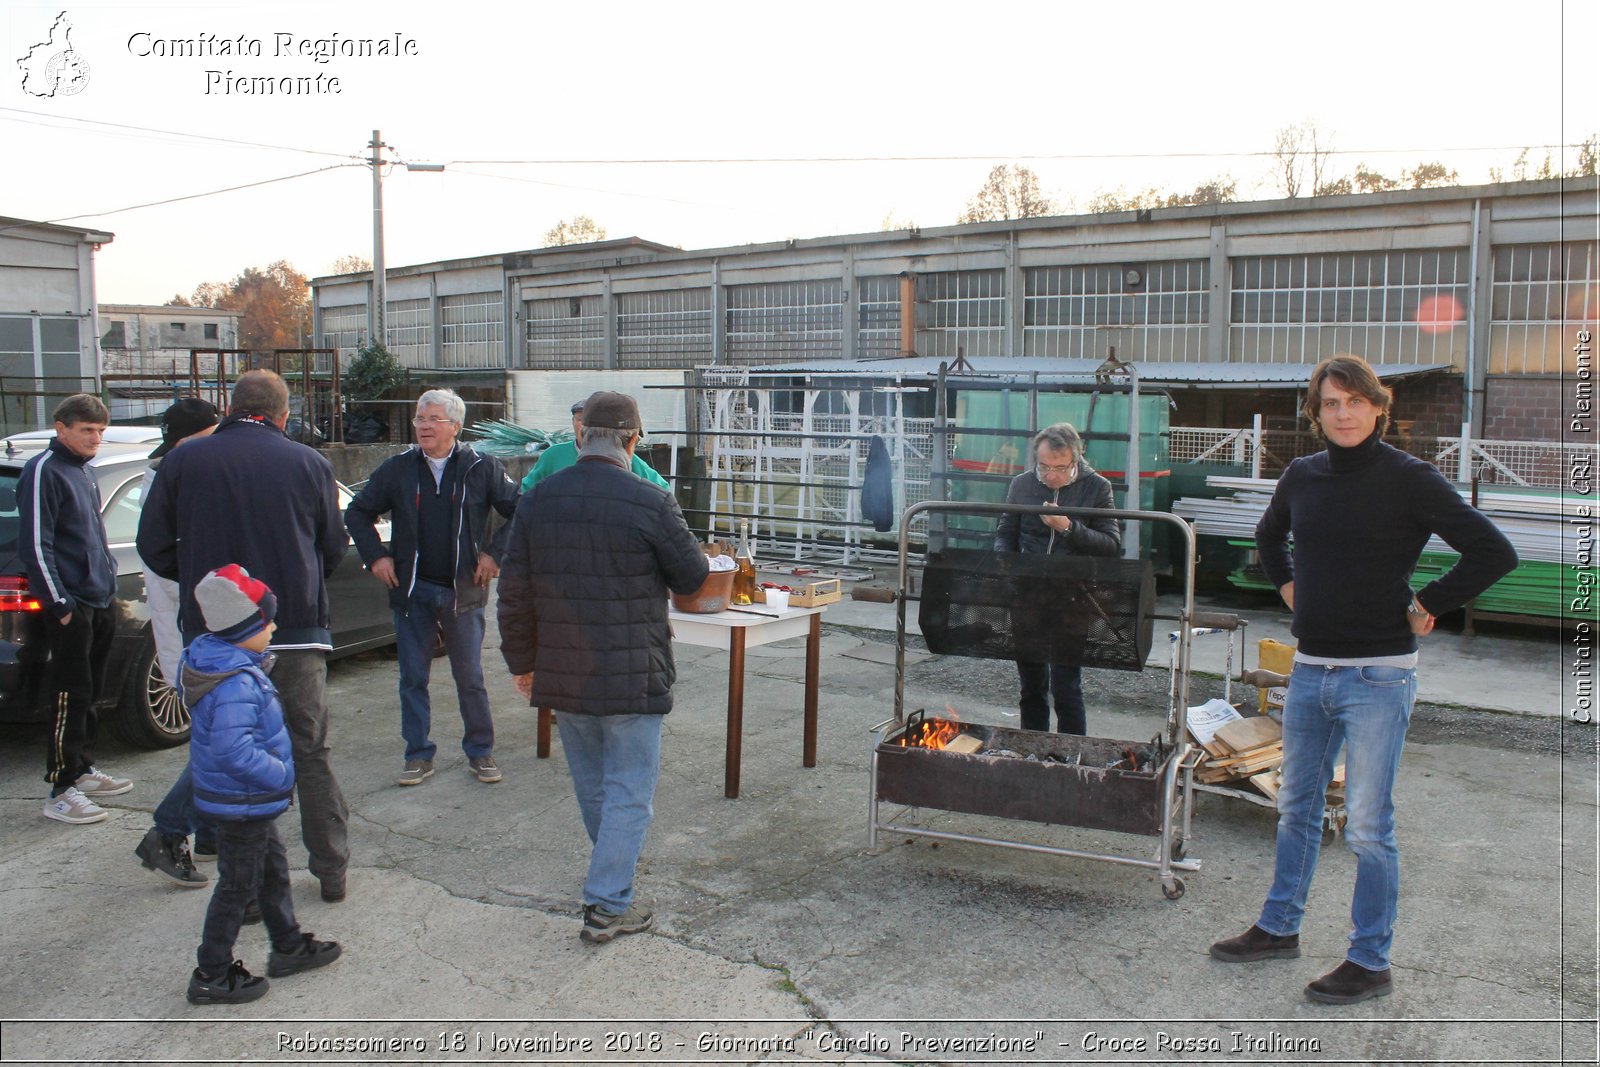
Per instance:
(1049,609)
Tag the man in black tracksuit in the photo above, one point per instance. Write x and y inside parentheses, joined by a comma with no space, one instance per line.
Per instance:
(437,566)
(74,577)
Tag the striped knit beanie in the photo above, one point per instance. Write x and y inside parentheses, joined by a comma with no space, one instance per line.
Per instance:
(235,605)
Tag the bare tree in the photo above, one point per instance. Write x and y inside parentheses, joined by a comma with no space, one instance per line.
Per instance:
(351,264)
(578,230)
(1286,152)
(1301,155)
(1010,192)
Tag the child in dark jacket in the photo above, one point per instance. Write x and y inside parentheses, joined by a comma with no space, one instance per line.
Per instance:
(243,778)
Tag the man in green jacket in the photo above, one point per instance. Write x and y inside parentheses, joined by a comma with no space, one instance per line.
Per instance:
(559,457)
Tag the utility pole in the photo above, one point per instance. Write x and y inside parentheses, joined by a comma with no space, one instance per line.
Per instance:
(380,288)
(380,297)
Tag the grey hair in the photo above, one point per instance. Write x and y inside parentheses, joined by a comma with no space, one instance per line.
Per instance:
(606,435)
(454,407)
(1061,436)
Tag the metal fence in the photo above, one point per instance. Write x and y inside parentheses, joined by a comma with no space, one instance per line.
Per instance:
(1530,464)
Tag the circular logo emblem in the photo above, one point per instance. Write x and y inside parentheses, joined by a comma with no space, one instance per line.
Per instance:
(67,72)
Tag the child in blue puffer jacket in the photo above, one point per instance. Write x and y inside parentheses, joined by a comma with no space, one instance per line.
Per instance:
(243,779)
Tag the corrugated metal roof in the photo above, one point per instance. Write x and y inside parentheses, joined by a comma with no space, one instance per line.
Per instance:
(1025,368)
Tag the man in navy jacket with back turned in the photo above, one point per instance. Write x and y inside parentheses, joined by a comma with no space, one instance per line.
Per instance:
(249,495)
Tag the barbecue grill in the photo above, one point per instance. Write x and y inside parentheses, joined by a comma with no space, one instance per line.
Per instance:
(1040,608)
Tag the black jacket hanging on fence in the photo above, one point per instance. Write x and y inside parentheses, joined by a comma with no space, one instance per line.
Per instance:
(877,488)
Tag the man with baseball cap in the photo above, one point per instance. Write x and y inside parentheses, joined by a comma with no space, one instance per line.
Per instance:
(583,628)
(559,457)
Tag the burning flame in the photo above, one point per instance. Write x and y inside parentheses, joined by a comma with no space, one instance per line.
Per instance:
(933,733)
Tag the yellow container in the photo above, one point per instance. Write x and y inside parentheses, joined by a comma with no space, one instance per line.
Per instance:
(1277,657)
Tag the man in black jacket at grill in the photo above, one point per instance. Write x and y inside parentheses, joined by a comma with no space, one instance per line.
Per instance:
(438,566)
(1059,476)
(583,628)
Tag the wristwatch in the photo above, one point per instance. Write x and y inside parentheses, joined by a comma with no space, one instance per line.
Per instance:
(1416,609)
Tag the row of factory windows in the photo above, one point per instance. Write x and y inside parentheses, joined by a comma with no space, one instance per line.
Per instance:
(1399,306)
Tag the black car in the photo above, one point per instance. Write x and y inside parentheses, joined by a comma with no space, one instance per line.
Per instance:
(134,697)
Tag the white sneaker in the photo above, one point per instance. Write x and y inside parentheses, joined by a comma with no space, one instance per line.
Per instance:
(97,783)
(72,806)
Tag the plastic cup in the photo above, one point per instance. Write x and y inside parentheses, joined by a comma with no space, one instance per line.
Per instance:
(778,598)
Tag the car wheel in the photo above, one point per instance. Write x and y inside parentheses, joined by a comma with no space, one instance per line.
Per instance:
(150,714)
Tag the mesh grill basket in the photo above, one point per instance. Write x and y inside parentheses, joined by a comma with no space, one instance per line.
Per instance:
(1076,610)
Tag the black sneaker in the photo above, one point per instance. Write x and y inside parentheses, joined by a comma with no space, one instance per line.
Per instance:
(204,853)
(170,859)
(600,926)
(235,986)
(303,957)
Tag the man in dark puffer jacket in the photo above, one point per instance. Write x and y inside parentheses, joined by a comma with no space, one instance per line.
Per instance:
(583,627)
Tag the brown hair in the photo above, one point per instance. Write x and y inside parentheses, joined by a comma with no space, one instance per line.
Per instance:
(260,392)
(1354,375)
(81,407)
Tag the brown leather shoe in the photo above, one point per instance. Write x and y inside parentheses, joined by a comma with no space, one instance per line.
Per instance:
(1256,944)
(1350,983)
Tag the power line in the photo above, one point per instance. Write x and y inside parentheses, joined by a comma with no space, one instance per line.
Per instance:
(178,199)
(202,137)
(1268,154)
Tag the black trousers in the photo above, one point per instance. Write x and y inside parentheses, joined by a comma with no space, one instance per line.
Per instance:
(251,864)
(1039,682)
(78,653)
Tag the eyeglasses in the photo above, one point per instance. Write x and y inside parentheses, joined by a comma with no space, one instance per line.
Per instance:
(1060,472)
(430,420)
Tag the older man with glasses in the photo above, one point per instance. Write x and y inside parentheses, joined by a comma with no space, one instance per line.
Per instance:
(438,565)
(1059,476)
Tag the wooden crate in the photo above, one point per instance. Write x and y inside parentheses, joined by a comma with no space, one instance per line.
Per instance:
(816,594)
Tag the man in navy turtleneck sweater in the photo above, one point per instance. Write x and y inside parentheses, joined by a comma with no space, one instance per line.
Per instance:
(1360,514)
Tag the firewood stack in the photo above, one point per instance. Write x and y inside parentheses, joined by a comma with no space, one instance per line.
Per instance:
(1250,749)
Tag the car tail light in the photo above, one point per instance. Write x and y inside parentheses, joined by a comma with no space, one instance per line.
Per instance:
(14,595)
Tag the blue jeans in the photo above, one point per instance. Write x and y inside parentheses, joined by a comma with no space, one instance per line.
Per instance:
(1039,680)
(176,816)
(1366,710)
(251,864)
(432,610)
(614,760)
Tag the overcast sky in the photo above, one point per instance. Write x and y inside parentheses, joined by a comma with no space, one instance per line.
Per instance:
(542,111)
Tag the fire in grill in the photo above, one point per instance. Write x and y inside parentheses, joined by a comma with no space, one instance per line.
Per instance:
(1024,774)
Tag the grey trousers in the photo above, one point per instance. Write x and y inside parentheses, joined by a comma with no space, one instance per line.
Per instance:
(300,677)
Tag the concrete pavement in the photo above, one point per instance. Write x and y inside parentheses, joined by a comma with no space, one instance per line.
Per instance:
(780,937)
